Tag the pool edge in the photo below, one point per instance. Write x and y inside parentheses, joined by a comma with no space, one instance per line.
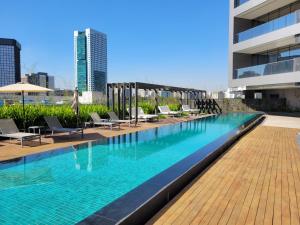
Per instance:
(155,193)
(68,148)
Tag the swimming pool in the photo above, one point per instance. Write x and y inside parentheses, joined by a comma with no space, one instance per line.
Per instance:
(67,185)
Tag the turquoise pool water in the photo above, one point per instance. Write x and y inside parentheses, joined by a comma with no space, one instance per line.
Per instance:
(65,186)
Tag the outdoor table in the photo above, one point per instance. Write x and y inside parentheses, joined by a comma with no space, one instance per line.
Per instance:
(34,128)
(88,124)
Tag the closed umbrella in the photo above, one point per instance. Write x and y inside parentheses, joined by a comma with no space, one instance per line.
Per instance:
(75,104)
(23,88)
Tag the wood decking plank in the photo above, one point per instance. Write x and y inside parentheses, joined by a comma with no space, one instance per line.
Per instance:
(256,182)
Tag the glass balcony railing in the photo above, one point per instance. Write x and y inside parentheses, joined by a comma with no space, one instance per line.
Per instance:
(270,26)
(239,2)
(286,66)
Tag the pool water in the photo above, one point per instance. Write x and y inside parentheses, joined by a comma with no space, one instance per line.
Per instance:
(65,186)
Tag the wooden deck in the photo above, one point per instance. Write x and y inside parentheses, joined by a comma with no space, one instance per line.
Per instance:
(256,182)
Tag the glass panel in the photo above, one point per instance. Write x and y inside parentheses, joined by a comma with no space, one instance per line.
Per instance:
(270,26)
(239,2)
(285,66)
(295,52)
(284,54)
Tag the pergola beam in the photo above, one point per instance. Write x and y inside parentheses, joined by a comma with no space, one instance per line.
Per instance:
(122,87)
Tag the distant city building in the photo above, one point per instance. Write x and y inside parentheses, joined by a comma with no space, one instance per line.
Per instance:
(51,82)
(217,95)
(146,93)
(63,92)
(92,97)
(90,60)
(41,79)
(10,65)
(24,79)
(165,94)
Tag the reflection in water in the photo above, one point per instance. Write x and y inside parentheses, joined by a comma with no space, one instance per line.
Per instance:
(80,159)
(136,145)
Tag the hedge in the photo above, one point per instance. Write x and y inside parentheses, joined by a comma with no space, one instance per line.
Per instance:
(34,114)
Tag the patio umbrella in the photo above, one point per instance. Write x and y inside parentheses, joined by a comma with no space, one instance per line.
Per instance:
(23,88)
(75,104)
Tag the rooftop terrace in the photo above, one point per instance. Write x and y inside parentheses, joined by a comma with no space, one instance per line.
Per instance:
(256,182)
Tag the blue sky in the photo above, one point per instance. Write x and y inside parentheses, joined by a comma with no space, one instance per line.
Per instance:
(181,43)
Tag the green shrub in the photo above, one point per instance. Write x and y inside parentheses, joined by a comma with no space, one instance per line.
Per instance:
(148,107)
(162,116)
(34,114)
(174,106)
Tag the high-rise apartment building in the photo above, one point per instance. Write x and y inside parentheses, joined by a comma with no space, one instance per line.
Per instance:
(90,60)
(10,66)
(41,79)
(264,49)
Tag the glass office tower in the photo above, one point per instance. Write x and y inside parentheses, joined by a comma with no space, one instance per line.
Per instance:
(10,66)
(90,51)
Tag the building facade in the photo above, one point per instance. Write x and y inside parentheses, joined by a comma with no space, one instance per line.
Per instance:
(41,79)
(264,49)
(10,63)
(90,60)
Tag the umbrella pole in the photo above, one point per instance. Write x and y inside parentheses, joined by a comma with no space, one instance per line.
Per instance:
(23,102)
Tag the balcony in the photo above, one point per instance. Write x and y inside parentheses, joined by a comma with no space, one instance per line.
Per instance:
(251,9)
(273,25)
(286,66)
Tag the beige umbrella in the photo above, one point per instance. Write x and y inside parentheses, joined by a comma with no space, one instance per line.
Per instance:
(22,88)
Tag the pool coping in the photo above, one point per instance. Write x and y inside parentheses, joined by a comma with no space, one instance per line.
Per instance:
(155,193)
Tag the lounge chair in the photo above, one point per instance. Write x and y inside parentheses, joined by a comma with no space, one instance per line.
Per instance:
(103,122)
(187,108)
(142,116)
(114,118)
(9,129)
(56,127)
(165,110)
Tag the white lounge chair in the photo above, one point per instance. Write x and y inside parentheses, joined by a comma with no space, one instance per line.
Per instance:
(114,118)
(187,108)
(142,116)
(165,110)
(56,127)
(103,122)
(9,129)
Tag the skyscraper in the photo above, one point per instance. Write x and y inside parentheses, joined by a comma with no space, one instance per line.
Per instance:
(90,60)
(10,66)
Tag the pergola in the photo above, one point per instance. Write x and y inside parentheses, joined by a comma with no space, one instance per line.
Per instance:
(136,86)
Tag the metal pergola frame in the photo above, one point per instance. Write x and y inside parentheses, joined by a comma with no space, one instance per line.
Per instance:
(121,95)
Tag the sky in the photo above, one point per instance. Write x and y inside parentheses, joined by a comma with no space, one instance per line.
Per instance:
(171,42)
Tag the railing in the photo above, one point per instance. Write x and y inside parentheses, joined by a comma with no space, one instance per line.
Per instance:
(239,2)
(286,66)
(270,26)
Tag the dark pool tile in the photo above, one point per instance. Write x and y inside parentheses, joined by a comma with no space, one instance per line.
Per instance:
(96,220)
